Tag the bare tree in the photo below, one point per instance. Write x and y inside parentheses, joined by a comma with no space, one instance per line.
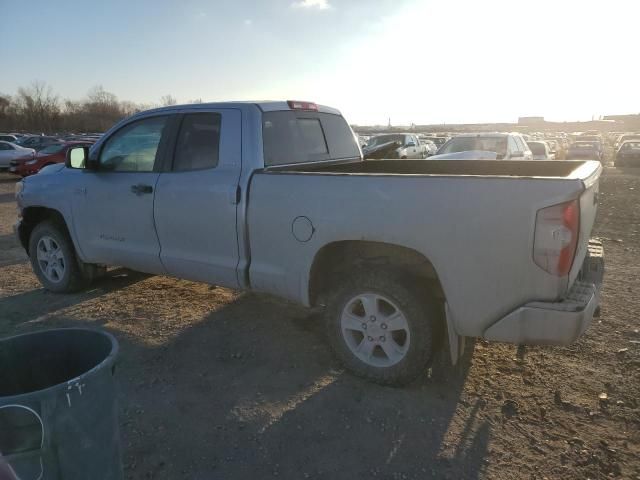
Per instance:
(38,106)
(167,100)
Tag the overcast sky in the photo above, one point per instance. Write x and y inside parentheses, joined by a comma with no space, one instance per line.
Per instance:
(420,61)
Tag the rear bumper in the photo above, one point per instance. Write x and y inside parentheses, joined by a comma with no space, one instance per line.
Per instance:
(556,323)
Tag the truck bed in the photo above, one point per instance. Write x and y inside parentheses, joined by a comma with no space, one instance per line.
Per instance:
(491,168)
(472,220)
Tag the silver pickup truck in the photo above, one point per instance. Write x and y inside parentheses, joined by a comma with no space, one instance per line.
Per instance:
(404,257)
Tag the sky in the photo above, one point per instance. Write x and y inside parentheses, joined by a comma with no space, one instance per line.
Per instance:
(411,61)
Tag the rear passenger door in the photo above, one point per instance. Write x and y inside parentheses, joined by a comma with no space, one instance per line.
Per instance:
(196,198)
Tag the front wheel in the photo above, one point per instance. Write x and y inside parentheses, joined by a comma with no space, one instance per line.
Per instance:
(381,327)
(53,259)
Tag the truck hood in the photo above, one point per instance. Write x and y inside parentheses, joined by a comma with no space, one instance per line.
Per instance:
(49,169)
(468,155)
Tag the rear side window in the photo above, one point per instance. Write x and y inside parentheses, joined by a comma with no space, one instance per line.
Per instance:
(297,137)
(198,143)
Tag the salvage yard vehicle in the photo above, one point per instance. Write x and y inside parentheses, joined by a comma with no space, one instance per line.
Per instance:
(485,146)
(10,152)
(584,151)
(405,257)
(628,155)
(540,150)
(397,145)
(428,147)
(55,153)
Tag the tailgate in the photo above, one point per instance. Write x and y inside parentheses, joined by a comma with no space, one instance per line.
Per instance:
(588,210)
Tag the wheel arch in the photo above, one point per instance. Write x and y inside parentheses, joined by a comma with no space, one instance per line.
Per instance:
(32,216)
(338,257)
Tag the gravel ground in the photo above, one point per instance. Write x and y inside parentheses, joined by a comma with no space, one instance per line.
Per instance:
(216,384)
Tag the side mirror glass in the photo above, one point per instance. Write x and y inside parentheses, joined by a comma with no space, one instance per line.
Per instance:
(77,157)
(411,144)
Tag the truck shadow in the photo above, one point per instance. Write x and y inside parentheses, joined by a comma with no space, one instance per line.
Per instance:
(253,391)
(7,197)
(35,306)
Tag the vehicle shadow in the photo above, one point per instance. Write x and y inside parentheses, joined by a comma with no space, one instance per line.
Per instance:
(253,391)
(34,306)
(7,197)
(9,178)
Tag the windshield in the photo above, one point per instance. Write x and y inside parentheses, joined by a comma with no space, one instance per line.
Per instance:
(382,139)
(537,148)
(465,144)
(51,149)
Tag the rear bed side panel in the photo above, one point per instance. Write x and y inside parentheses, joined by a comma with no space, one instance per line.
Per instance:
(477,232)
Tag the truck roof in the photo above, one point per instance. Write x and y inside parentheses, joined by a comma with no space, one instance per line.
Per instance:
(264,105)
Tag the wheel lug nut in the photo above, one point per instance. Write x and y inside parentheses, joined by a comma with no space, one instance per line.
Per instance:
(372,318)
(383,326)
(383,338)
(370,339)
(364,326)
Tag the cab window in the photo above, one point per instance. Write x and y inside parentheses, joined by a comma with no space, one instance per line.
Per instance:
(198,142)
(134,148)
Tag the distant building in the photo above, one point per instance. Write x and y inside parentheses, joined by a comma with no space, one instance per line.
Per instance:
(530,120)
(623,118)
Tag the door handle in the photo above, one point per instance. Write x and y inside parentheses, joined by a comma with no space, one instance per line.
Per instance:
(141,189)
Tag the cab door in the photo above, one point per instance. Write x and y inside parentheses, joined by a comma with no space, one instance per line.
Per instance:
(113,205)
(197,198)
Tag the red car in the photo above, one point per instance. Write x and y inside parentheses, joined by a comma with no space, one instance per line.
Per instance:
(47,156)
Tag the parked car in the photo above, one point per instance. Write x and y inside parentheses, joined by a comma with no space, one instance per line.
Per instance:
(626,137)
(10,152)
(584,151)
(439,141)
(540,150)
(55,153)
(167,192)
(38,142)
(485,146)
(628,154)
(558,147)
(597,140)
(395,145)
(428,147)
(5,137)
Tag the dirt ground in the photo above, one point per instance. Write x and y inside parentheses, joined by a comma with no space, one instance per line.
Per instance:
(215,384)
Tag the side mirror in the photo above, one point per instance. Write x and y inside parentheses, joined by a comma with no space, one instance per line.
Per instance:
(78,158)
(410,144)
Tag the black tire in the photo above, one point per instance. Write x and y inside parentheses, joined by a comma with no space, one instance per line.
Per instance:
(72,279)
(418,309)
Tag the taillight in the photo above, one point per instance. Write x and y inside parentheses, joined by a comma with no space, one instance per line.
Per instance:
(298,105)
(556,237)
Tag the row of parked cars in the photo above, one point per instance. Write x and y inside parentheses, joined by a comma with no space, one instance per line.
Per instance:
(26,154)
(502,146)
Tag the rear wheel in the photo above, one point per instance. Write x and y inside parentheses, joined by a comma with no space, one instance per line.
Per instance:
(380,327)
(53,259)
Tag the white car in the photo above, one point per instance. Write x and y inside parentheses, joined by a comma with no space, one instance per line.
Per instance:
(428,147)
(10,151)
(485,146)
